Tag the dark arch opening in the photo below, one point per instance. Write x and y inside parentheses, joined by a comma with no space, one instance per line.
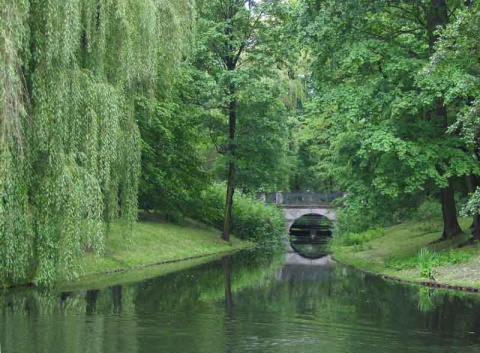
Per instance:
(310,234)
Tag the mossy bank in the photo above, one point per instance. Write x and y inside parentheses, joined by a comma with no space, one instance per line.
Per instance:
(408,252)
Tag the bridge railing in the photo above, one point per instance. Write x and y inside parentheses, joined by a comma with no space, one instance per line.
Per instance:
(300,198)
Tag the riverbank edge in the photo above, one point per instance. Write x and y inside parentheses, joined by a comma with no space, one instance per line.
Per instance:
(139,273)
(195,234)
(373,253)
(175,243)
(85,277)
(391,278)
(164,262)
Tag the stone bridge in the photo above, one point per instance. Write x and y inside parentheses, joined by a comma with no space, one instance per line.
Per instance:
(298,204)
(294,212)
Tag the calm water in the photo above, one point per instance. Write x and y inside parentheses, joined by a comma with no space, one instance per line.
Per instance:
(246,303)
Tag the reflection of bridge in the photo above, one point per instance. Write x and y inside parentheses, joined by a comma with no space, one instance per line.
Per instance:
(295,260)
(298,204)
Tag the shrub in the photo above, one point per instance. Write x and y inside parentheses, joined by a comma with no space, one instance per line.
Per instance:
(364,209)
(352,219)
(426,260)
(359,239)
(252,219)
(428,210)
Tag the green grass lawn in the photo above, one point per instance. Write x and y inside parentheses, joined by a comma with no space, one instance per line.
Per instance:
(152,243)
(396,253)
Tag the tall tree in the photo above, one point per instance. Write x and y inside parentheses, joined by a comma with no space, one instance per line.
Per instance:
(437,17)
(388,126)
(235,50)
(454,70)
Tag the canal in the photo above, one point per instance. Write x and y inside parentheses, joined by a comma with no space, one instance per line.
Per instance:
(248,302)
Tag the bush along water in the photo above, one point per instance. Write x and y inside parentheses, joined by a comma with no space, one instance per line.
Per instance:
(427,260)
(357,240)
(252,219)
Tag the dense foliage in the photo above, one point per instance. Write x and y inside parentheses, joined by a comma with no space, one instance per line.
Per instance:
(172,167)
(107,106)
(110,106)
(393,107)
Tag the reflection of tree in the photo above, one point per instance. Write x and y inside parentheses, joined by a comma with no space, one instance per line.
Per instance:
(365,306)
(227,282)
(474,324)
(117,298)
(91,299)
(229,321)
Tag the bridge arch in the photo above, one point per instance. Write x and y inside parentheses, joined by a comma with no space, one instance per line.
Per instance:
(310,233)
(298,204)
(292,214)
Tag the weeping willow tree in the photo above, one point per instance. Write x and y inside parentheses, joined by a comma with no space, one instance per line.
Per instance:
(69,140)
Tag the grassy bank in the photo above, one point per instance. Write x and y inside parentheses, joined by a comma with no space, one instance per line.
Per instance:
(405,251)
(155,243)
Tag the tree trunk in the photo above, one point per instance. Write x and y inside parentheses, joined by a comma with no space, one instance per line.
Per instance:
(229,200)
(449,212)
(472,183)
(232,121)
(437,16)
(476,227)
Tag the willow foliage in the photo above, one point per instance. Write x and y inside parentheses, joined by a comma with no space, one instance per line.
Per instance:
(15,226)
(69,141)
